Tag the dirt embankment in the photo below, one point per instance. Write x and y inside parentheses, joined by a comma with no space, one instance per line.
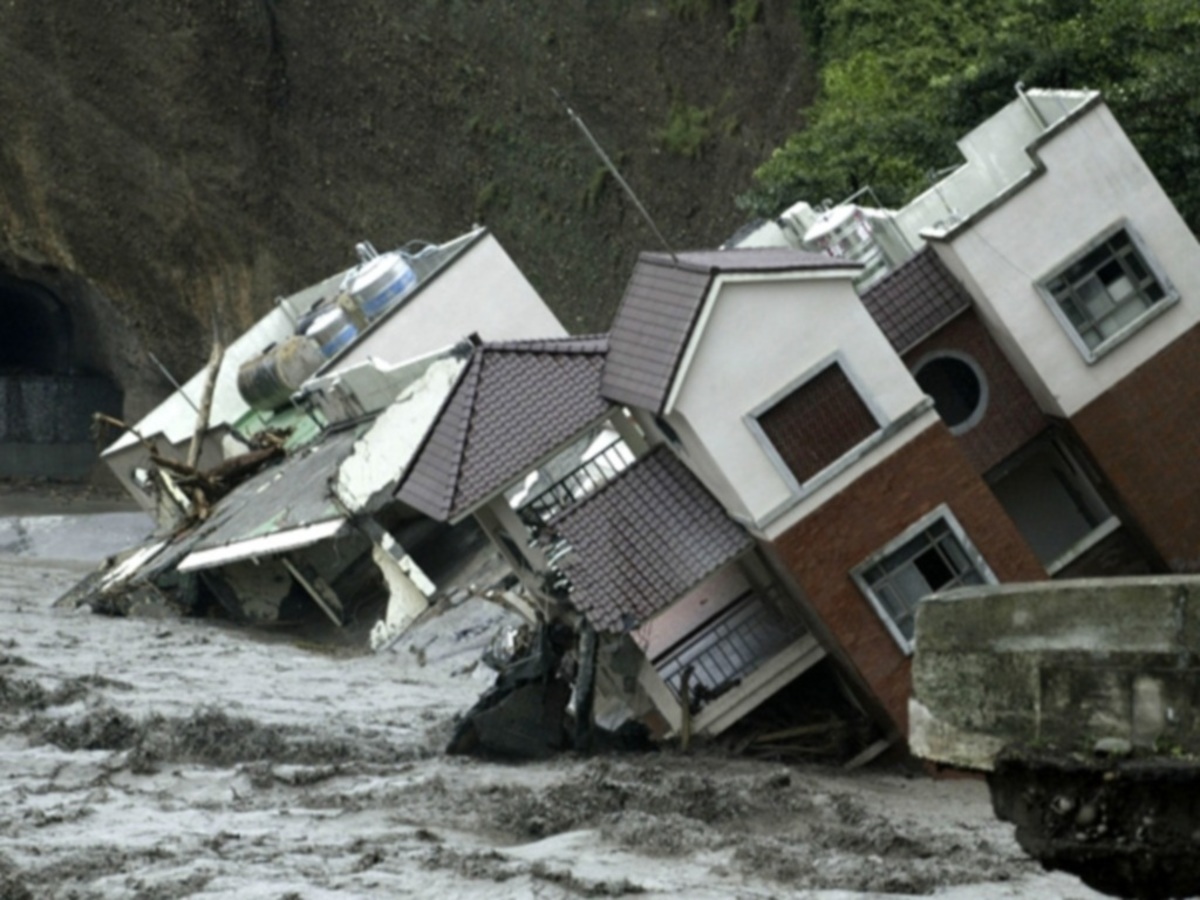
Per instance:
(165,162)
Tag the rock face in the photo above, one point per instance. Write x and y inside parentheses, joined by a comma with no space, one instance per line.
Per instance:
(1125,827)
(167,164)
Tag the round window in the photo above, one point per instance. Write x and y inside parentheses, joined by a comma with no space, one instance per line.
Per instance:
(957,389)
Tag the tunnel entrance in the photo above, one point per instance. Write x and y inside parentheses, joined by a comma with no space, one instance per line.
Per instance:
(47,391)
(36,337)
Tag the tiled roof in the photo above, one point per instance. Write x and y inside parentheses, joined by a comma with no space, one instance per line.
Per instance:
(643,541)
(660,307)
(515,402)
(916,299)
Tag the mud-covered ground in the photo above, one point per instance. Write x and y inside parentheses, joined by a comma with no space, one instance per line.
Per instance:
(164,759)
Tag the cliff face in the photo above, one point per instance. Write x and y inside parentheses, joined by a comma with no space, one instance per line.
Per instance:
(165,163)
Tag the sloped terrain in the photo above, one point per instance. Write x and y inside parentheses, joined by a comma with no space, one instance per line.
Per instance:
(163,164)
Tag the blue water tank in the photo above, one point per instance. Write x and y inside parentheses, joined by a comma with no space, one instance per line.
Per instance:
(379,283)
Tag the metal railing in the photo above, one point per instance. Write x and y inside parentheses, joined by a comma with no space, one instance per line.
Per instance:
(730,646)
(579,483)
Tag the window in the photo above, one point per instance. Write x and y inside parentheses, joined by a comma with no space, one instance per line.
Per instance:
(1103,295)
(934,555)
(817,423)
(957,387)
(1051,499)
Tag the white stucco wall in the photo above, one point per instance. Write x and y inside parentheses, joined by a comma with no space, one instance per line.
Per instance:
(482,290)
(758,336)
(1094,178)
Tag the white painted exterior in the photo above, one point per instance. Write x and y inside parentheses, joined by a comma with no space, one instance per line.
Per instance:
(996,156)
(175,418)
(384,452)
(757,337)
(1093,179)
(481,290)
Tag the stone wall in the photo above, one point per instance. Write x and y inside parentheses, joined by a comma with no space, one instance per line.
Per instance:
(45,423)
(1058,665)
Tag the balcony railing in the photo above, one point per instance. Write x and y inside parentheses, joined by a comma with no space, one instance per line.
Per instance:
(586,479)
(729,646)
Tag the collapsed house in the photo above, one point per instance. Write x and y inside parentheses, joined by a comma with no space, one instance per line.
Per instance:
(331,392)
(773,455)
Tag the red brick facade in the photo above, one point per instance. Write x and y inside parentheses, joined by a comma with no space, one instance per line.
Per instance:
(1012,417)
(821,550)
(1144,434)
(818,422)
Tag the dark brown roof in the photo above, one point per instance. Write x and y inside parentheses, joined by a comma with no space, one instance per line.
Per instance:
(915,300)
(659,311)
(515,402)
(643,541)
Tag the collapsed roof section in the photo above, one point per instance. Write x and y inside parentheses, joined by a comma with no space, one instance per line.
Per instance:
(516,403)
(644,540)
(662,306)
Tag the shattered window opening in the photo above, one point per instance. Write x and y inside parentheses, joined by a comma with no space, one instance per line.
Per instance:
(935,555)
(1102,294)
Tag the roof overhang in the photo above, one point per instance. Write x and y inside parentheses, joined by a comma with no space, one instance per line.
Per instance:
(265,545)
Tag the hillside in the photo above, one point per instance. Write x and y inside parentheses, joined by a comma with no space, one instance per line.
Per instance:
(162,162)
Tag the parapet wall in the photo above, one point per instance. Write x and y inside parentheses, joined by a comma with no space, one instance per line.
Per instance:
(1060,665)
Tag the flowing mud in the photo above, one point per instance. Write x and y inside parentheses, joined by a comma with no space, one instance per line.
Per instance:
(169,759)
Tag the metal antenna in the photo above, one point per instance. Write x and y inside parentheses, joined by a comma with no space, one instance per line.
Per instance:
(615,174)
(171,378)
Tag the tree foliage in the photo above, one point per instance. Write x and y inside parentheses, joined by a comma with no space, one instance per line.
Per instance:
(902,79)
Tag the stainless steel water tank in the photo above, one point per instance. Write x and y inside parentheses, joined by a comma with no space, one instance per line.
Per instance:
(332,330)
(379,283)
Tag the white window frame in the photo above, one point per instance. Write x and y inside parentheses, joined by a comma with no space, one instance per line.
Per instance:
(941,514)
(984,388)
(1152,311)
(795,486)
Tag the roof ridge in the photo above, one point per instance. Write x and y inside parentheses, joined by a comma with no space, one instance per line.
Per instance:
(565,343)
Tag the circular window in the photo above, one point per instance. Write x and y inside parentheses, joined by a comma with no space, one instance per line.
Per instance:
(957,388)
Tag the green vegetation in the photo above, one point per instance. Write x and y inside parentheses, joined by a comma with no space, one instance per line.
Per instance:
(688,127)
(902,79)
(595,189)
(742,14)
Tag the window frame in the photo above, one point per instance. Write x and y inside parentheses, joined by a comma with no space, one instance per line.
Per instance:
(799,488)
(971,363)
(941,514)
(1149,313)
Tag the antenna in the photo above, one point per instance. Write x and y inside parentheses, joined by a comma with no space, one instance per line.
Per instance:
(615,174)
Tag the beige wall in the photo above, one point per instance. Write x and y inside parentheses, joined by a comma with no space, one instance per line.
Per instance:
(757,337)
(1094,178)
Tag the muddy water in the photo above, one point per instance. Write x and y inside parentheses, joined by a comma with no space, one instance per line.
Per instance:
(165,759)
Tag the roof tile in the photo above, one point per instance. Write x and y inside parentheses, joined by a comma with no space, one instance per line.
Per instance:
(516,402)
(644,540)
(660,308)
(915,300)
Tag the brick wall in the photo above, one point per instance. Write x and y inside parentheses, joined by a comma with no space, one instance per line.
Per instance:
(816,423)
(821,550)
(1012,417)
(1145,435)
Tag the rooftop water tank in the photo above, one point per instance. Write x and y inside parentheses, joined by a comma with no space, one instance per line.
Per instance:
(379,283)
(268,381)
(332,330)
